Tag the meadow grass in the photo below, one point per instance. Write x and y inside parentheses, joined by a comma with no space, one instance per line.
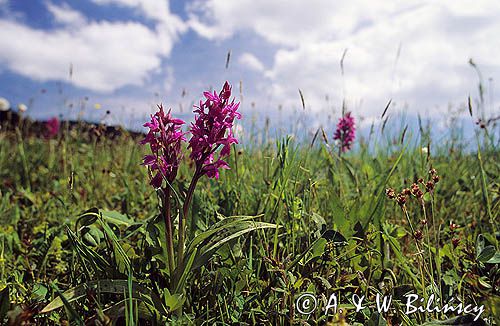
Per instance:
(337,232)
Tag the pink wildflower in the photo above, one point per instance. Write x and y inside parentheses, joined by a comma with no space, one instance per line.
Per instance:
(52,127)
(211,129)
(164,139)
(346,132)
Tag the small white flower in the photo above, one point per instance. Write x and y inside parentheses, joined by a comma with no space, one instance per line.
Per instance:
(21,107)
(4,104)
(425,150)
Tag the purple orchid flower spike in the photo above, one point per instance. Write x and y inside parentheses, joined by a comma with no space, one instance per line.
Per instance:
(52,127)
(346,132)
(165,140)
(212,129)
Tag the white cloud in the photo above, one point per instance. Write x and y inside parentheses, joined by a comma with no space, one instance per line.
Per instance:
(288,22)
(65,15)
(168,25)
(105,55)
(250,61)
(169,80)
(436,39)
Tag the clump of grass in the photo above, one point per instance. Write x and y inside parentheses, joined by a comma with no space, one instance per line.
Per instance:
(61,260)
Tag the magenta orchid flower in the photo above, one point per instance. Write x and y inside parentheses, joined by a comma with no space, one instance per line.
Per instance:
(165,140)
(212,129)
(346,132)
(52,127)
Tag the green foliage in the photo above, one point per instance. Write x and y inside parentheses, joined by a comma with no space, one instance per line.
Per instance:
(286,219)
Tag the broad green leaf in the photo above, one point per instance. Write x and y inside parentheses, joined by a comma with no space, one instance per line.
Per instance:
(116,218)
(106,286)
(495,259)
(486,254)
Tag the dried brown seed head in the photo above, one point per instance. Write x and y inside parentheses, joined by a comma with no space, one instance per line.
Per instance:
(429,186)
(419,194)
(418,235)
(401,199)
(390,193)
(414,189)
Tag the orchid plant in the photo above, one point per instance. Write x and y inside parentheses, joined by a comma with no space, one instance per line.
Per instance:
(210,143)
(345,132)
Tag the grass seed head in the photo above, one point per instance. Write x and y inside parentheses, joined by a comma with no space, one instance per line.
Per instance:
(401,199)
(390,193)
(418,235)
(429,186)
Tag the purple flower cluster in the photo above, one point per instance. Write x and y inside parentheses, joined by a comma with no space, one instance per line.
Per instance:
(165,140)
(211,129)
(346,132)
(52,127)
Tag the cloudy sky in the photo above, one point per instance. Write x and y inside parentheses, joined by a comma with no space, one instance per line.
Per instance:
(84,57)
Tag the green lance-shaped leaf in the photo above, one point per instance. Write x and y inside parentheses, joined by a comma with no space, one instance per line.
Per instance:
(121,258)
(116,218)
(467,320)
(106,286)
(204,246)
(85,253)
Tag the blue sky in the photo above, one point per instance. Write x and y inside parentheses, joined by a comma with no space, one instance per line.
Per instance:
(128,55)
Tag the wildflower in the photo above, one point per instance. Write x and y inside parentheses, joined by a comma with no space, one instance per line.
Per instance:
(164,139)
(420,180)
(21,107)
(423,222)
(425,150)
(432,171)
(345,132)
(212,129)
(406,192)
(52,127)
(455,242)
(435,178)
(4,104)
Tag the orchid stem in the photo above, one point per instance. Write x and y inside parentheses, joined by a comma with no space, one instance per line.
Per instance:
(168,231)
(183,218)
